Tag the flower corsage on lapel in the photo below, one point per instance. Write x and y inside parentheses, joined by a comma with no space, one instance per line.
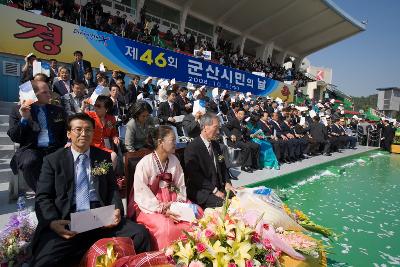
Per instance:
(101,168)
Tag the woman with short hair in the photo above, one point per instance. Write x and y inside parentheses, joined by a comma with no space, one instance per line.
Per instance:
(105,131)
(139,128)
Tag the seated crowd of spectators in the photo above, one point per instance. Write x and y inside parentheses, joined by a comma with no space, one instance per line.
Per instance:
(150,116)
(92,15)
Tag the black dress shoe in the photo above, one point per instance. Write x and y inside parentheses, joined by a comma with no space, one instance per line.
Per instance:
(328,154)
(231,176)
(247,169)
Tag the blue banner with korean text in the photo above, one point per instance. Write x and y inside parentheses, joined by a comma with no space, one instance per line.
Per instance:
(142,59)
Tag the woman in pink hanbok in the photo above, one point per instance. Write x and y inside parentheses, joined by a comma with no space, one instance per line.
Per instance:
(159,181)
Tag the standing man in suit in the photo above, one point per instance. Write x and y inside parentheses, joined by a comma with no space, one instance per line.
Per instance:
(168,110)
(63,85)
(53,70)
(67,184)
(134,88)
(40,129)
(207,176)
(388,134)
(79,66)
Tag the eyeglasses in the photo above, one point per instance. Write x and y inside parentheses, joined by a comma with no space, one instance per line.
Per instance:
(79,131)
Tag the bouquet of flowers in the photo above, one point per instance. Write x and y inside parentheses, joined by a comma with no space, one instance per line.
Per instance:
(228,237)
(222,240)
(14,239)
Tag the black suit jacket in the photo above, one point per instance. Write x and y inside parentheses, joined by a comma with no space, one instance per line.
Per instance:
(59,88)
(27,135)
(164,111)
(56,186)
(267,129)
(277,127)
(191,126)
(237,129)
(287,129)
(318,131)
(337,130)
(134,91)
(181,102)
(75,69)
(201,175)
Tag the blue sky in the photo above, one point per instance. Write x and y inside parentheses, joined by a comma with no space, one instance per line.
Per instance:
(370,59)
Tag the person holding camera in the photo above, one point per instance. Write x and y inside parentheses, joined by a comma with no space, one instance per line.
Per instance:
(27,69)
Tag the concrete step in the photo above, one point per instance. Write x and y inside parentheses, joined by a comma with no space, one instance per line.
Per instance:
(5,111)
(5,175)
(4,119)
(3,128)
(6,151)
(5,139)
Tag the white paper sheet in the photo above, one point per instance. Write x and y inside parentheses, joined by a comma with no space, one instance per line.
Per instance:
(183,211)
(26,93)
(179,118)
(91,219)
(199,105)
(302,120)
(100,90)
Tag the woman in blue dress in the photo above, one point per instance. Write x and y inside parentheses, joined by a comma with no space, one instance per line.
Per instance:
(267,155)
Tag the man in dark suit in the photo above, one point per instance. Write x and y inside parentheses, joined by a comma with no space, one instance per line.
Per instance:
(67,184)
(388,134)
(191,124)
(134,88)
(40,129)
(280,147)
(351,141)
(338,135)
(319,137)
(168,110)
(303,146)
(88,82)
(63,85)
(239,137)
(279,132)
(79,66)
(53,70)
(207,176)
(73,102)
(183,102)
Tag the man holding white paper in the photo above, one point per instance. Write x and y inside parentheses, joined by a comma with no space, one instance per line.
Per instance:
(39,128)
(76,180)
